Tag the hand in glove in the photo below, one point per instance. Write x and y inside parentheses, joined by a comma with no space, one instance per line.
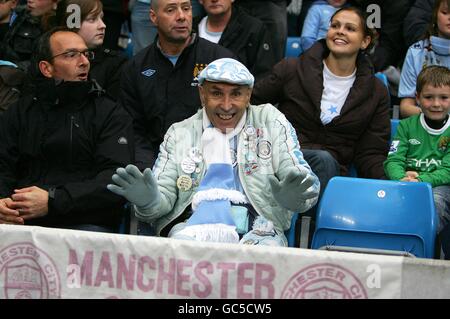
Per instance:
(139,189)
(293,191)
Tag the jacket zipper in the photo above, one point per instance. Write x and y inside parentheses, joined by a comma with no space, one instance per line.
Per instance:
(72,124)
(239,148)
(158,231)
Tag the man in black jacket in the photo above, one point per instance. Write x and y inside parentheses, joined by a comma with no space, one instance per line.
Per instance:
(61,143)
(274,15)
(244,35)
(159,85)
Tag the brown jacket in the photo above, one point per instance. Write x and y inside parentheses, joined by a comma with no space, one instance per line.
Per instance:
(359,135)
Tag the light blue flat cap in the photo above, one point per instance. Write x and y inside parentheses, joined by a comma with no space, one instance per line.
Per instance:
(227,70)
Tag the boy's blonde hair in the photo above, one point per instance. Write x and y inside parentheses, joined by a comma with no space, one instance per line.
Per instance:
(435,76)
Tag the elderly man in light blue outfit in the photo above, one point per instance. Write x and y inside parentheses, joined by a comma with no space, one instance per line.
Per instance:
(231,173)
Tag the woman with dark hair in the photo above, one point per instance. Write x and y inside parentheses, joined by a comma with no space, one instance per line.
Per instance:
(434,49)
(338,108)
(106,64)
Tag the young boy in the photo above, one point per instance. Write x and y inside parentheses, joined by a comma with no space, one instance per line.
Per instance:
(420,151)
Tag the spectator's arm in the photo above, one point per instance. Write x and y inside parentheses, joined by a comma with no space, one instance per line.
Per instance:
(395,165)
(407,86)
(9,151)
(440,176)
(129,99)
(408,107)
(311,27)
(91,196)
(270,88)
(290,156)
(165,170)
(372,147)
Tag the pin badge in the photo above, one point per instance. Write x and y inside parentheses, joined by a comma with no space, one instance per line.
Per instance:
(184,183)
(195,155)
(250,130)
(188,166)
(264,149)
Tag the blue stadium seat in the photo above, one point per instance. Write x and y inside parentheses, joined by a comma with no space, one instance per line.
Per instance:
(383,78)
(394,125)
(372,215)
(290,234)
(129,49)
(293,48)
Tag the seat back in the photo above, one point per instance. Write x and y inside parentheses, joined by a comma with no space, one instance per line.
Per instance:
(291,232)
(293,47)
(383,78)
(377,214)
(394,125)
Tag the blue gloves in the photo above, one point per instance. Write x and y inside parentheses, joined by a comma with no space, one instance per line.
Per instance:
(139,189)
(293,191)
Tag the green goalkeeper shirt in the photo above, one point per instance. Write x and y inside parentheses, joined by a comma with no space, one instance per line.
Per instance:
(418,147)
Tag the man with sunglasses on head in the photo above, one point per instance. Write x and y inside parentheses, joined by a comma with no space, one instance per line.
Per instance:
(61,143)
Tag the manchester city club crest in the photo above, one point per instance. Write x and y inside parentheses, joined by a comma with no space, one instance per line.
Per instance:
(28,273)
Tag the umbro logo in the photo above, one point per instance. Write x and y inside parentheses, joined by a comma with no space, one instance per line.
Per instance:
(413,141)
(148,73)
(122,140)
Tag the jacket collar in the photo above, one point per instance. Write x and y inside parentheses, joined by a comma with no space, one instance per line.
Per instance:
(66,94)
(194,38)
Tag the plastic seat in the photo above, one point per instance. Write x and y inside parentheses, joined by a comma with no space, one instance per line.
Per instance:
(394,125)
(383,78)
(293,47)
(291,233)
(372,215)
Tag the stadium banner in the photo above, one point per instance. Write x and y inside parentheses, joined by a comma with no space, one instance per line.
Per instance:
(37,262)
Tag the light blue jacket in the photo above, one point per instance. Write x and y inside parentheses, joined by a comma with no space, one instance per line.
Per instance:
(316,23)
(420,55)
(274,132)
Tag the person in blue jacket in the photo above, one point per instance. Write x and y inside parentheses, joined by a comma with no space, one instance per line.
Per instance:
(317,21)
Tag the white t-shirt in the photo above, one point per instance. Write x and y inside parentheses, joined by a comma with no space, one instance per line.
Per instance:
(335,92)
(208,35)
